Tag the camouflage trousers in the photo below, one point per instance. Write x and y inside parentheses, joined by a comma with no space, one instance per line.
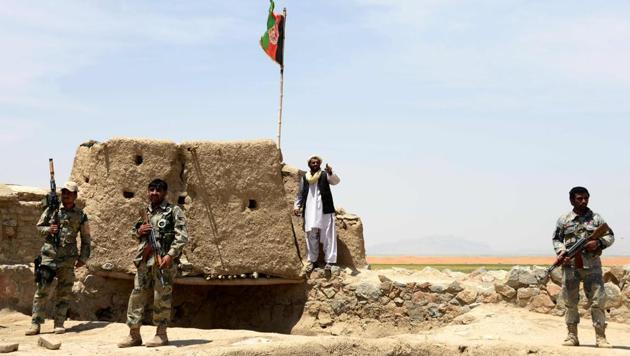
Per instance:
(146,282)
(593,288)
(65,281)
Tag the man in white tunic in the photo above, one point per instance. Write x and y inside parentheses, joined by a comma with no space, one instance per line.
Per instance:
(315,199)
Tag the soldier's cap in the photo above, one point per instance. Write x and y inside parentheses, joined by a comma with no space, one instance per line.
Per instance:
(71,186)
(317,157)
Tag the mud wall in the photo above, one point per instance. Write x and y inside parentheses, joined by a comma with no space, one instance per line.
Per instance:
(20,208)
(232,194)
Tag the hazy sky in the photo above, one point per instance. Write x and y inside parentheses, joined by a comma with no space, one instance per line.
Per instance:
(464,120)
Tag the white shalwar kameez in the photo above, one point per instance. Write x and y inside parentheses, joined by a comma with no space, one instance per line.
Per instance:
(319,226)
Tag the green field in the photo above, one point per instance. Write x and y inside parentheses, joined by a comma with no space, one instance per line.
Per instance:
(452,267)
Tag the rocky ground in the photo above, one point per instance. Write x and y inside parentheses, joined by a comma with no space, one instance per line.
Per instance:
(490,329)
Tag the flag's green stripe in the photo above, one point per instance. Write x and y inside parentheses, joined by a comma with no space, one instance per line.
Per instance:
(264,41)
(271,20)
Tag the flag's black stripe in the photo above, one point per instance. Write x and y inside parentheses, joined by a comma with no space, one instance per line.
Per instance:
(280,48)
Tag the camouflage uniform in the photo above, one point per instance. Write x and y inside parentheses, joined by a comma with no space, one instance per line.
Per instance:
(61,259)
(569,228)
(170,221)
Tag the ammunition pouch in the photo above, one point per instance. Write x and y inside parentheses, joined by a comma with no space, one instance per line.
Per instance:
(44,275)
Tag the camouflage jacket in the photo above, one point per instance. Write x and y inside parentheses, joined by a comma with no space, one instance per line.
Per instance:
(169,224)
(71,222)
(570,227)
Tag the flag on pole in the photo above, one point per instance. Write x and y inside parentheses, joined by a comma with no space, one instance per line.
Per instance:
(272,42)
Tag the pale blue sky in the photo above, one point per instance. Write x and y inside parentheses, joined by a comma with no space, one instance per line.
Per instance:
(462,119)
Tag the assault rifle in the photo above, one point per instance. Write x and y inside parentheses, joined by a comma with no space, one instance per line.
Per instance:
(52,201)
(154,245)
(576,248)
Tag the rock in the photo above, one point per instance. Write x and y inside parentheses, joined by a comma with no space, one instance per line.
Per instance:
(398,301)
(614,274)
(467,296)
(554,291)
(463,319)
(368,290)
(541,303)
(490,298)
(521,276)
(436,288)
(6,348)
(48,342)
(324,319)
(505,291)
(523,295)
(454,288)
(614,297)
(421,298)
(328,292)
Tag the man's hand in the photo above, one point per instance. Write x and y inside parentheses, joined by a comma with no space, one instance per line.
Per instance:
(562,257)
(144,229)
(53,229)
(79,264)
(167,261)
(592,245)
(328,169)
(296,212)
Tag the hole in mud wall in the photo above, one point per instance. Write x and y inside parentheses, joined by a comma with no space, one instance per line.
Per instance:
(86,179)
(252,204)
(127,194)
(181,200)
(261,308)
(138,160)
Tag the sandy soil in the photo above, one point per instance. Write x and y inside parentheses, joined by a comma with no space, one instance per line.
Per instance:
(515,260)
(486,330)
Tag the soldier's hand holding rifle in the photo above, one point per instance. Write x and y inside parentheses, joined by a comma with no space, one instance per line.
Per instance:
(167,261)
(53,229)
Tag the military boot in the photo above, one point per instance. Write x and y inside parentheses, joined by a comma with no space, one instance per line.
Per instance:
(160,338)
(133,339)
(59,329)
(600,338)
(33,330)
(572,336)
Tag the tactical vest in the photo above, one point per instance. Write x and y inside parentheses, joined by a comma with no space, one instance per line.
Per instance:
(324,191)
(166,228)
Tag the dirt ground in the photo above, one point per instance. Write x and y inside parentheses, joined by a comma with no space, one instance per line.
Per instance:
(458,260)
(490,329)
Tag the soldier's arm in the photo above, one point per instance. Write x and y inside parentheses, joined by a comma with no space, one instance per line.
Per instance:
(134,230)
(86,238)
(558,238)
(609,238)
(333,179)
(43,224)
(181,234)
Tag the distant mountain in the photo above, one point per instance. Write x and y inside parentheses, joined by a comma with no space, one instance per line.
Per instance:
(448,245)
(431,246)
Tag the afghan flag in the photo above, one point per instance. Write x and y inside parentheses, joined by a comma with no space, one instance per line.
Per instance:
(272,42)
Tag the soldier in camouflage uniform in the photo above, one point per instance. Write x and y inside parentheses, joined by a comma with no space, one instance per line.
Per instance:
(61,259)
(168,223)
(585,267)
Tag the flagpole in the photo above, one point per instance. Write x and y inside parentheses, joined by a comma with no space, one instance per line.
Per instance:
(281,86)
(280,110)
